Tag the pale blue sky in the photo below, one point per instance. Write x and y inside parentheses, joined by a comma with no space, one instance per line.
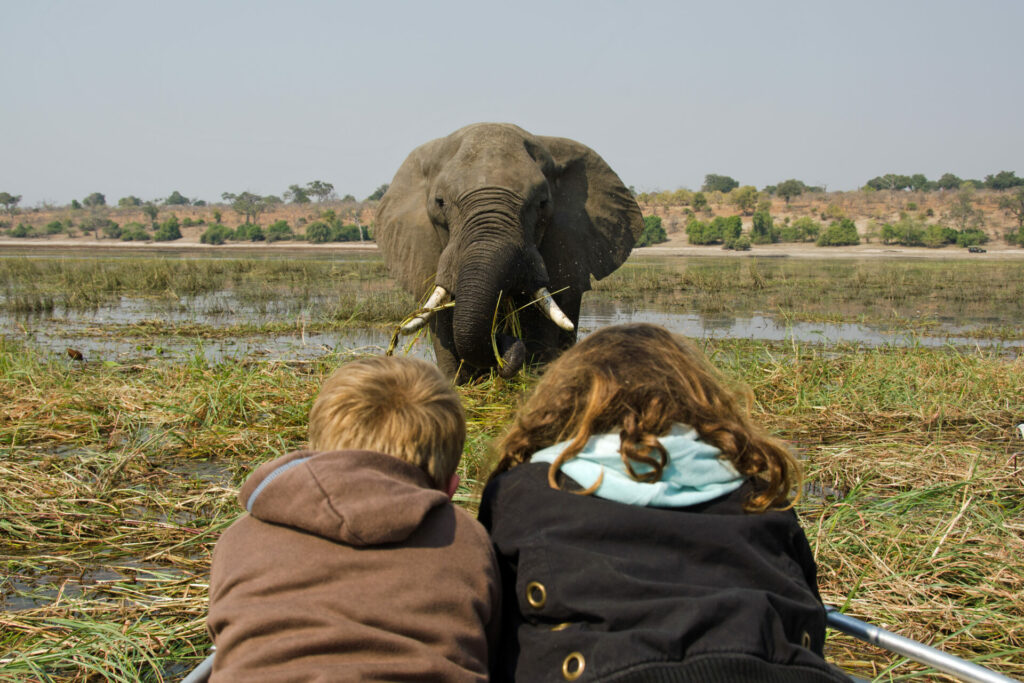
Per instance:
(139,97)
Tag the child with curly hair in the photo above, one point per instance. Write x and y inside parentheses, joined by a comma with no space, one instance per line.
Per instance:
(644,526)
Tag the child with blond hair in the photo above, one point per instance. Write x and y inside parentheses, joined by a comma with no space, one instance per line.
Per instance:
(351,562)
(644,526)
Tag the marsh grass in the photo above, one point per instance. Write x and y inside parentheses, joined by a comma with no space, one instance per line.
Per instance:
(876,291)
(119,478)
(77,284)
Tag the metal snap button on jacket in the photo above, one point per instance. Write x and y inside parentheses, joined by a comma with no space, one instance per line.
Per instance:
(536,594)
(805,640)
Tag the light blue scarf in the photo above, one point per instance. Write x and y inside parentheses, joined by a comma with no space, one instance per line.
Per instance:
(694,474)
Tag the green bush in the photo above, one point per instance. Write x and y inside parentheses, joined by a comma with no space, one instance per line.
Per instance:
(763,229)
(23,230)
(344,233)
(741,243)
(653,232)
(111,229)
(716,232)
(54,228)
(135,232)
(318,232)
(907,232)
(279,230)
(803,229)
(840,233)
(216,234)
(249,232)
(168,231)
(189,222)
(971,237)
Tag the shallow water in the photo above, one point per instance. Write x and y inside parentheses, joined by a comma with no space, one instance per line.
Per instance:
(719,306)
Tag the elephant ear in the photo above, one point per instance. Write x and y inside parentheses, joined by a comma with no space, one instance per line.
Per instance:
(403,230)
(596,221)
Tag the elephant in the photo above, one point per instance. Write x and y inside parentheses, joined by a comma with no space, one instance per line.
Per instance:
(493,213)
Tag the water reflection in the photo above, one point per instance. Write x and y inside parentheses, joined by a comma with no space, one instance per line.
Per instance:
(765,328)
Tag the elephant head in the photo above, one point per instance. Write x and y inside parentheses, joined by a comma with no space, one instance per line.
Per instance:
(492,212)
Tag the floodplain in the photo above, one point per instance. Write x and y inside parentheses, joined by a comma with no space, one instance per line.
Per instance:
(899,383)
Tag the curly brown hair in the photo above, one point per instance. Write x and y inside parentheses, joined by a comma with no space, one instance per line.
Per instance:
(638,380)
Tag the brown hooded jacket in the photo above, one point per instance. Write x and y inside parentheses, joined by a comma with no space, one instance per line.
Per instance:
(351,566)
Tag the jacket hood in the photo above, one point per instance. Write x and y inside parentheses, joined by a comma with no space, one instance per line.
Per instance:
(696,472)
(355,497)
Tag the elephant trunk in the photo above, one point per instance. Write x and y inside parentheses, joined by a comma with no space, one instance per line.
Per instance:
(486,276)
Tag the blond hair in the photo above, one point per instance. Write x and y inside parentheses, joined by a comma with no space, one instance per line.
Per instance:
(399,406)
(637,380)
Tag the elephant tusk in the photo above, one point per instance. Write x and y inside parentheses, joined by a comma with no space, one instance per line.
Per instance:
(437,298)
(551,309)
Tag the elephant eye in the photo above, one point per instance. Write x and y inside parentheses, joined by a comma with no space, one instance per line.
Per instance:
(440,202)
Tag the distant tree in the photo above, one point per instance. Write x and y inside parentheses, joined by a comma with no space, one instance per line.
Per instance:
(700,201)
(296,195)
(1004,180)
(763,229)
(1013,205)
(75,204)
(962,212)
(177,199)
(10,202)
(719,183)
(151,210)
(348,198)
(889,181)
(250,205)
(948,181)
(378,193)
(198,202)
(130,200)
(919,183)
(745,199)
(94,200)
(788,189)
(653,232)
(319,189)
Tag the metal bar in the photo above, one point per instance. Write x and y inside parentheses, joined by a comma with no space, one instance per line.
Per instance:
(201,673)
(912,649)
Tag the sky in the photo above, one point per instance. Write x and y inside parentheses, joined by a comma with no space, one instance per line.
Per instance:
(143,98)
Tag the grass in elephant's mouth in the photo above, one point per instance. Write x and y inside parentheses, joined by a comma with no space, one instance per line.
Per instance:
(118,479)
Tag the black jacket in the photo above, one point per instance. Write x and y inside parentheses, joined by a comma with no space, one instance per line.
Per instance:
(626,593)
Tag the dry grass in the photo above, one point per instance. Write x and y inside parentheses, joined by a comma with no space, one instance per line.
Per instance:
(118,479)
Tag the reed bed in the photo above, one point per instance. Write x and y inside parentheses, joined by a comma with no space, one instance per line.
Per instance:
(119,478)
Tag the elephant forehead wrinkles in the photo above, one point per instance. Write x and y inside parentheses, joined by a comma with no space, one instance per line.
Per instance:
(483,198)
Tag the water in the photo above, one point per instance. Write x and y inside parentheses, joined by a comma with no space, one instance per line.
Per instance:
(718,307)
